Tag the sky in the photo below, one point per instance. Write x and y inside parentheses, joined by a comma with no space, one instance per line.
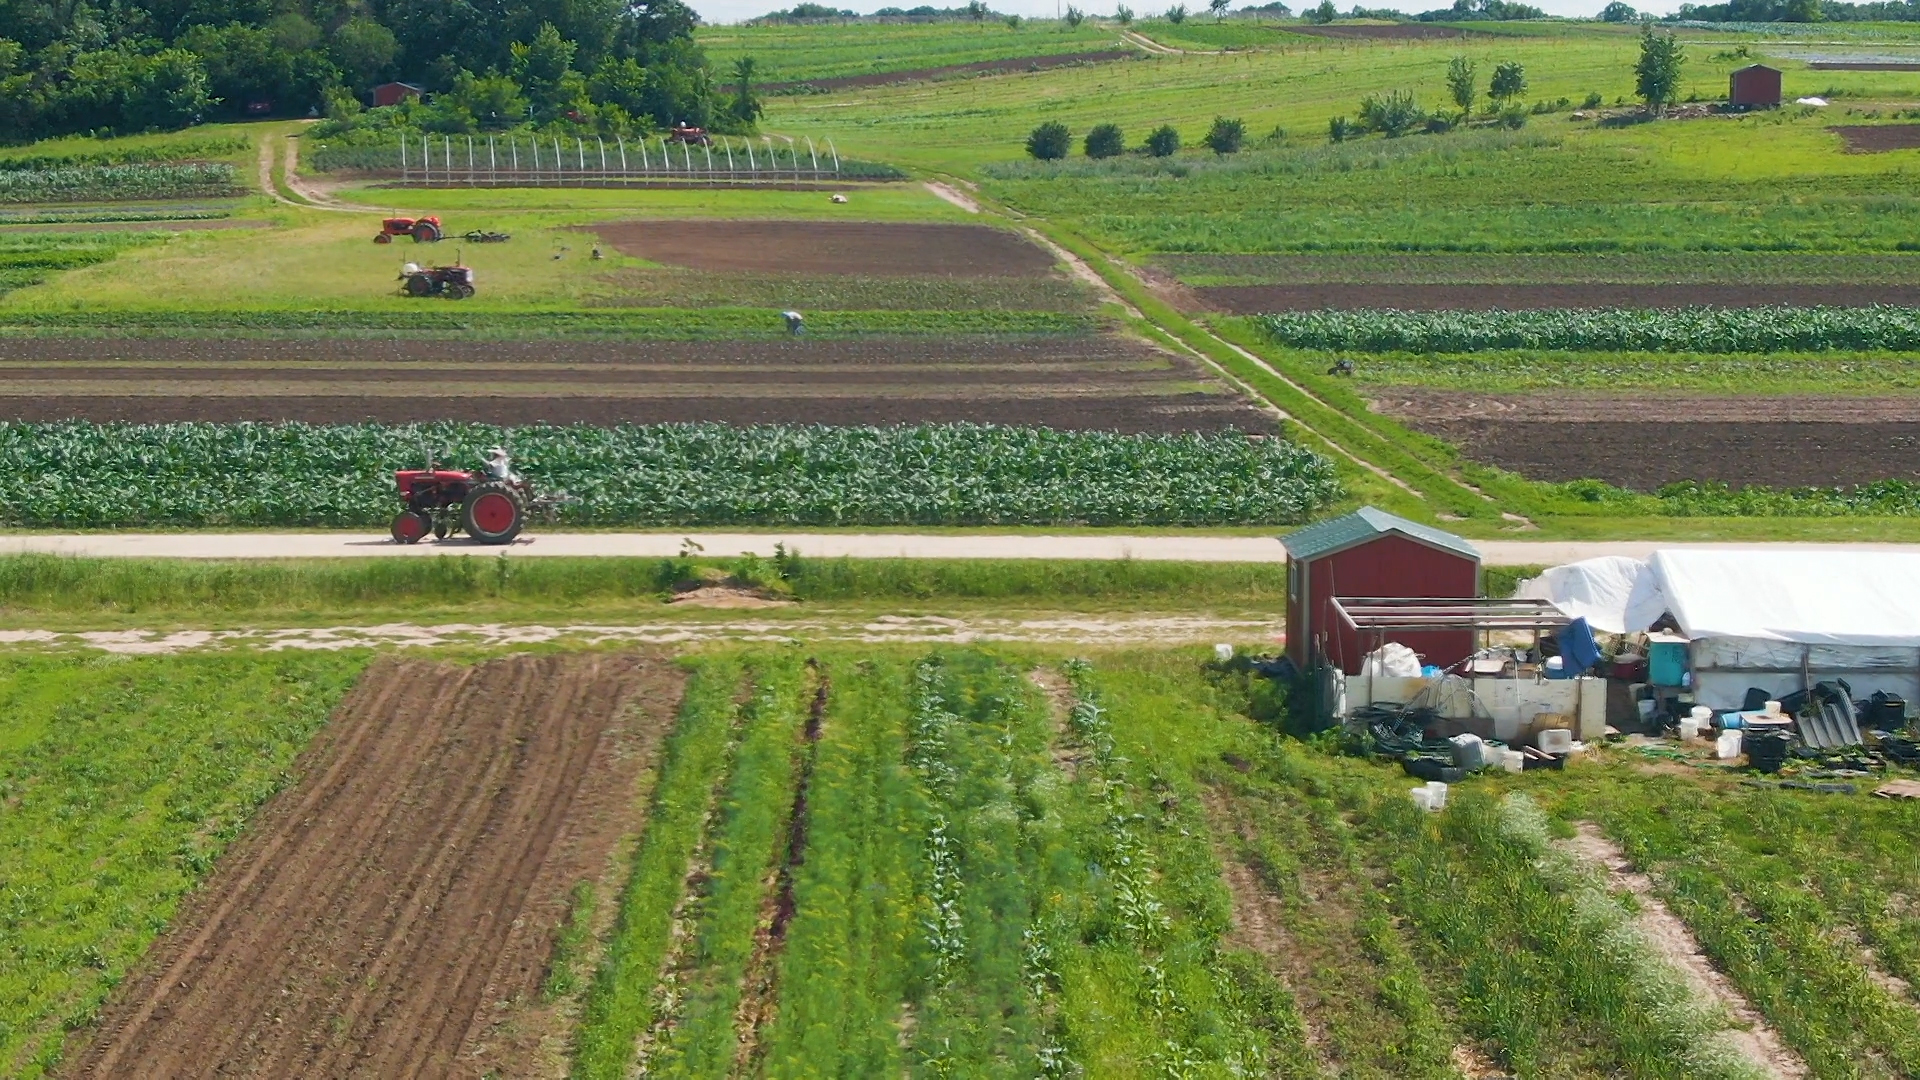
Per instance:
(733,11)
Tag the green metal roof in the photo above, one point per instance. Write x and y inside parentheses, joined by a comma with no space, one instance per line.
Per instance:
(1365,524)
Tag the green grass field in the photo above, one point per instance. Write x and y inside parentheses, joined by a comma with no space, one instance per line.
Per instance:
(123,780)
(798,52)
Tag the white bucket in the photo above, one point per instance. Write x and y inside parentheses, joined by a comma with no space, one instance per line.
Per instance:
(1422,798)
(1223,652)
(1727,746)
(1773,708)
(1689,729)
(1703,714)
(1513,760)
(1436,795)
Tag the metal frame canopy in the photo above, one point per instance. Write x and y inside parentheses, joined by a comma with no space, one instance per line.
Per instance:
(1380,613)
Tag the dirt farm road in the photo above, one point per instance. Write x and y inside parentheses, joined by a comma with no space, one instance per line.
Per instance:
(1161,548)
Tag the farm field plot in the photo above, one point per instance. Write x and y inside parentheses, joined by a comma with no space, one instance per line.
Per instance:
(835,53)
(394,912)
(1256,299)
(1607,268)
(1063,381)
(1646,442)
(832,247)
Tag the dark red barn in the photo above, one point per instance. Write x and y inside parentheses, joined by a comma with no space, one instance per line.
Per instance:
(1372,553)
(1755,85)
(394,93)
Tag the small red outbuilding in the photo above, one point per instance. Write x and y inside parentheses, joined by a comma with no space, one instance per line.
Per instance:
(394,93)
(1755,85)
(1371,553)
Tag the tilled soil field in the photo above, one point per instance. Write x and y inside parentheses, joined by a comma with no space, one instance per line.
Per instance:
(1645,442)
(831,247)
(393,914)
(1879,138)
(1104,382)
(1258,299)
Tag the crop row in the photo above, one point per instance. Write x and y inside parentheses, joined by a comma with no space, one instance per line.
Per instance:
(1707,330)
(71,153)
(82,183)
(77,474)
(653,324)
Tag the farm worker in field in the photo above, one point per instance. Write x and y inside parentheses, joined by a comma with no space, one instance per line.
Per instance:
(795,323)
(500,467)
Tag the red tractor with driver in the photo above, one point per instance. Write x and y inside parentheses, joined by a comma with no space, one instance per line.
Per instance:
(490,504)
(424,230)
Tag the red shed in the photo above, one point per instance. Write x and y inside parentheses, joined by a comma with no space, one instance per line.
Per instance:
(394,93)
(1372,553)
(1754,85)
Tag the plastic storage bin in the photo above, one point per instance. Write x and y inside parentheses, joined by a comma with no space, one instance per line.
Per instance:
(1666,662)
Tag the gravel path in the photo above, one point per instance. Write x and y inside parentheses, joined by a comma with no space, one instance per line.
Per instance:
(1174,548)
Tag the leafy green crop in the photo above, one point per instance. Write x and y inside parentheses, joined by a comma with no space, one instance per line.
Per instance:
(77,474)
(1709,330)
(82,183)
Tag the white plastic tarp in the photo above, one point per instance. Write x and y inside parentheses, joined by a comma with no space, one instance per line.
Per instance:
(1599,590)
(1807,597)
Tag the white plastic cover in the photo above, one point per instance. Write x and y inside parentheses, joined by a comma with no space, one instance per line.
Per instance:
(1808,597)
(1600,590)
(1392,659)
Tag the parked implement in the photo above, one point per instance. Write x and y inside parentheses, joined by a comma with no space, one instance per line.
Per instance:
(424,230)
(452,282)
(489,504)
(478,236)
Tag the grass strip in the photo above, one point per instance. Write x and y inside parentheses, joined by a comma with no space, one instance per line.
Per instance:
(745,853)
(122,780)
(852,950)
(477,322)
(43,586)
(620,1005)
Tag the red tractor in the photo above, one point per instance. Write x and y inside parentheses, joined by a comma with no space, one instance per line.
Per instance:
(687,133)
(490,505)
(424,230)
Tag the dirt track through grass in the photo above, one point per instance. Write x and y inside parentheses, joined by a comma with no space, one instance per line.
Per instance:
(386,914)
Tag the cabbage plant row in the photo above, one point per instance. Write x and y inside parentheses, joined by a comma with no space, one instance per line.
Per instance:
(197,474)
(98,182)
(1700,330)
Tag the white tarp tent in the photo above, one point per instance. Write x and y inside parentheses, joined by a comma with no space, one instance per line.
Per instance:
(1778,619)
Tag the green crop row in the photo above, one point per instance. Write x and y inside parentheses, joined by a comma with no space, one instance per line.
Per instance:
(121,781)
(1700,330)
(72,153)
(95,183)
(621,1003)
(77,474)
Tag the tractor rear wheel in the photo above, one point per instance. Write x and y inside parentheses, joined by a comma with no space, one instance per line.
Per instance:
(409,527)
(419,285)
(493,513)
(425,233)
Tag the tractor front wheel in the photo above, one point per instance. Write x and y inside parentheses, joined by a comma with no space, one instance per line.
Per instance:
(493,513)
(409,527)
(383,238)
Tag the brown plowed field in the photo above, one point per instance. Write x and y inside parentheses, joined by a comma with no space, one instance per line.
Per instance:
(1015,64)
(385,917)
(1878,138)
(831,247)
(1257,299)
(1103,382)
(1645,442)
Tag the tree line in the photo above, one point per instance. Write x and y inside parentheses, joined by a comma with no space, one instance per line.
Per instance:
(118,66)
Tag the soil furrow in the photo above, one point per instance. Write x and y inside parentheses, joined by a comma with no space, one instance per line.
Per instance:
(381,915)
(760,993)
